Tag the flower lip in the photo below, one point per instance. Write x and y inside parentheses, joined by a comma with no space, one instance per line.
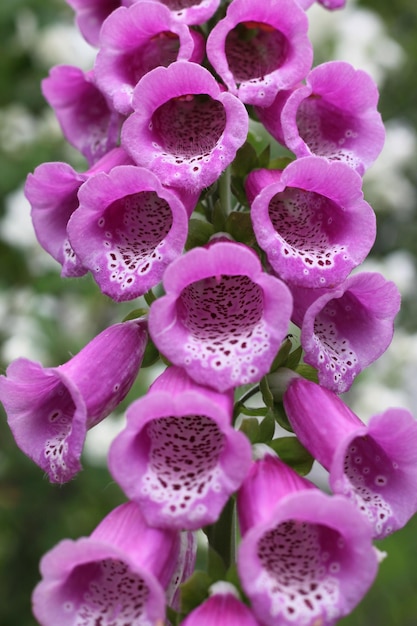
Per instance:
(184,128)
(312,221)
(313,559)
(222,318)
(260,49)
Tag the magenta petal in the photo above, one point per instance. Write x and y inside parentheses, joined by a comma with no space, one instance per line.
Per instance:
(86,119)
(312,222)
(191,12)
(222,607)
(179,457)
(90,15)
(347,328)
(334,116)
(127,230)
(134,41)
(107,575)
(222,318)
(50,409)
(184,128)
(310,563)
(260,48)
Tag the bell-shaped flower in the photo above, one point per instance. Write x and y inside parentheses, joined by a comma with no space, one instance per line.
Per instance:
(260,48)
(87,120)
(127,229)
(184,127)
(345,329)
(311,220)
(52,191)
(121,574)
(50,409)
(134,41)
(374,465)
(179,456)
(191,12)
(222,607)
(306,558)
(327,4)
(90,15)
(222,318)
(334,115)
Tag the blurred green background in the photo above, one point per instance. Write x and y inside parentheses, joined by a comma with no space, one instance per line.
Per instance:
(46,318)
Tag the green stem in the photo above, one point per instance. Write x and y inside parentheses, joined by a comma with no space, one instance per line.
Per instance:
(221,535)
(251,392)
(225,193)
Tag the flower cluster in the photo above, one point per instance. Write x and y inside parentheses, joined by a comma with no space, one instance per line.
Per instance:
(231,246)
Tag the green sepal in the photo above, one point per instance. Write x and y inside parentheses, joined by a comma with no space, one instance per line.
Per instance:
(264,157)
(267,396)
(199,232)
(283,354)
(278,413)
(250,427)
(308,372)
(293,453)
(279,163)
(194,591)
(267,427)
(294,358)
(216,568)
(173,616)
(245,160)
(239,226)
(238,190)
(260,411)
(151,354)
(136,314)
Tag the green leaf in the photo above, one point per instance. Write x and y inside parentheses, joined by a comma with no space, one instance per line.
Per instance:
(279,163)
(216,567)
(278,412)
(239,226)
(267,428)
(293,453)
(253,411)
(199,232)
(151,354)
(250,426)
(238,190)
(135,314)
(267,396)
(194,591)
(264,157)
(245,160)
(283,353)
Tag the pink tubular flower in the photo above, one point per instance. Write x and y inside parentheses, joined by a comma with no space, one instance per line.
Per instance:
(222,318)
(334,116)
(306,558)
(184,128)
(374,465)
(120,574)
(127,229)
(328,4)
(50,409)
(179,457)
(312,220)
(90,15)
(191,12)
(222,607)
(345,329)
(260,48)
(134,41)
(86,119)
(52,191)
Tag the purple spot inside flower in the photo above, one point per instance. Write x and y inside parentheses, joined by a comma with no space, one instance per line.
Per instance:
(183,461)
(177,5)
(327,130)
(306,222)
(253,50)
(366,470)
(299,563)
(160,50)
(189,127)
(115,597)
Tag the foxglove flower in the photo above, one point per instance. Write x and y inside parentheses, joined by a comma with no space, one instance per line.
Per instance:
(306,558)
(345,329)
(191,12)
(374,465)
(50,409)
(222,607)
(90,15)
(184,127)
(260,48)
(52,191)
(179,457)
(134,41)
(87,120)
(311,220)
(334,115)
(119,574)
(127,230)
(328,4)
(222,318)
